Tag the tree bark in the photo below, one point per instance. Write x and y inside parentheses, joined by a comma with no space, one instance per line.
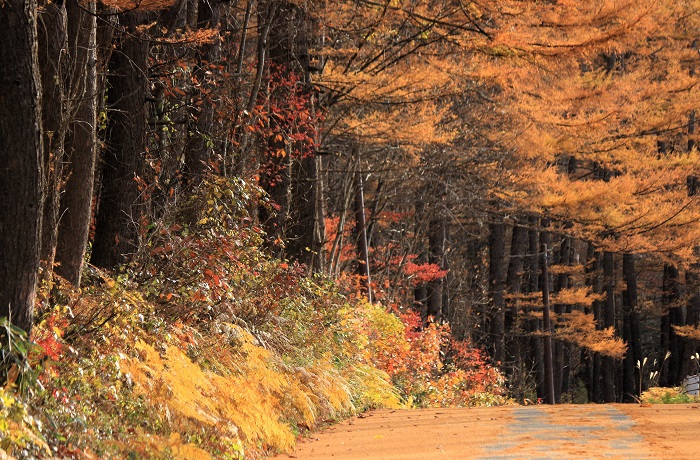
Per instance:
(306,230)
(561,349)
(363,269)
(497,239)
(21,160)
(532,285)
(692,315)
(514,287)
(547,326)
(120,207)
(81,143)
(436,255)
(200,145)
(608,364)
(595,268)
(670,341)
(632,331)
(52,37)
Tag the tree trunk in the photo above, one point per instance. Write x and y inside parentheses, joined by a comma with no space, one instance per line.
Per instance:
(608,364)
(561,349)
(52,37)
(120,207)
(363,269)
(436,255)
(306,230)
(514,286)
(21,157)
(670,341)
(200,145)
(692,277)
(595,268)
(691,130)
(497,239)
(81,143)
(532,285)
(547,325)
(300,222)
(632,331)
(692,282)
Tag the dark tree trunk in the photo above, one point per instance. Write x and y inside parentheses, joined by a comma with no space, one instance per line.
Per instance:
(595,268)
(692,282)
(691,130)
(200,145)
(608,364)
(532,285)
(81,143)
(561,349)
(546,323)
(363,269)
(436,255)
(447,280)
(300,184)
(514,286)
(420,292)
(120,207)
(497,239)
(52,36)
(306,231)
(670,341)
(631,331)
(692,317)
(21,157)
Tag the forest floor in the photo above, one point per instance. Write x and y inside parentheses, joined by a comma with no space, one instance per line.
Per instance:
(614,431)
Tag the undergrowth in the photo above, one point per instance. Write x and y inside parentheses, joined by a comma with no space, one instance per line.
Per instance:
(659,395)
(204,347)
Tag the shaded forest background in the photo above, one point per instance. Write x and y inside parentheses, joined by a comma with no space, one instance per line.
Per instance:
(460,160)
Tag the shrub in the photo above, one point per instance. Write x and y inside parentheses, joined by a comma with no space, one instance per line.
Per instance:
(659,395)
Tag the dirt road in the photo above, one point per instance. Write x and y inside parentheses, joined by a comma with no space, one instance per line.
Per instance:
(535,432)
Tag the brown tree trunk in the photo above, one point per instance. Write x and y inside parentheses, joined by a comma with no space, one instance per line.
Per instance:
(561,349)
(550,391)
(608,364)
(670,341)
(691,130)
(436,255)
(692,318)
(81,143)
(692,282)
(298,185)
(497,239)
(120,207)
(595,268)
(306,230)
(52,37)
(200,145)
(21,157)
(514,287)
(631,331)
(363,269)
(532,285)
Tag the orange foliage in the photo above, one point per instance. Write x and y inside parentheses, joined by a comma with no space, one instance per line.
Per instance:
(138,5)
(430,368)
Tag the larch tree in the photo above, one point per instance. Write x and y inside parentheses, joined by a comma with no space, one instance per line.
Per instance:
(52,43)
(21,156)
(121,205)
(81,142)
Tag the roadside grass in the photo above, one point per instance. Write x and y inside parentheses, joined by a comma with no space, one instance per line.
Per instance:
(207,347)
(661,395)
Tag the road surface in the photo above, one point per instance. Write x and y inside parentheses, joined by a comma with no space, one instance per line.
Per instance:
(516,432)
